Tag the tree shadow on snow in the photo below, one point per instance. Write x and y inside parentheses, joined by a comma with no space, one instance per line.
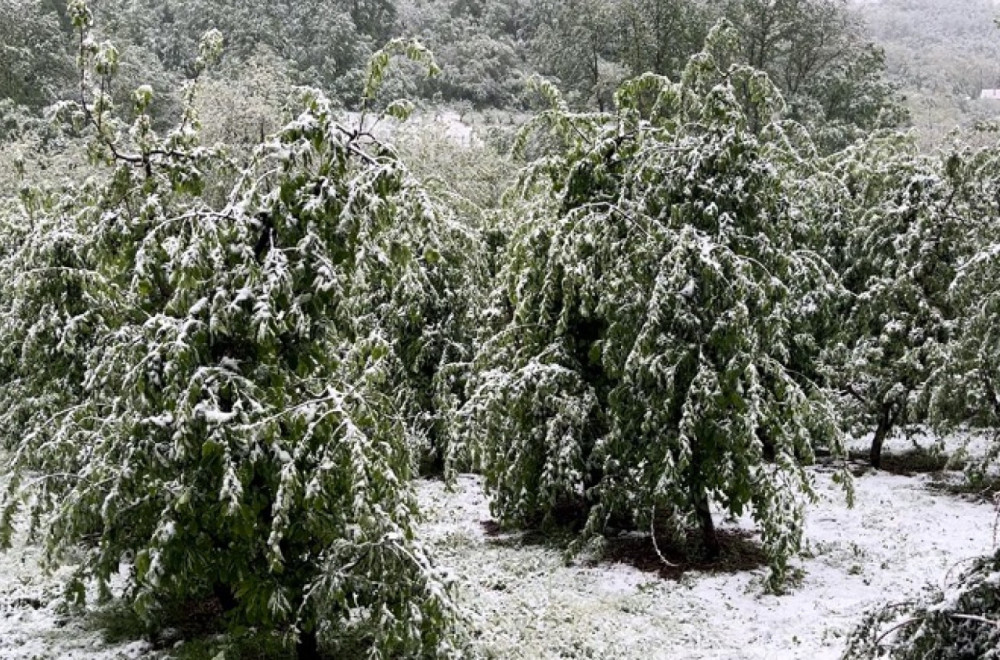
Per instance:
(669,558)
(918,460)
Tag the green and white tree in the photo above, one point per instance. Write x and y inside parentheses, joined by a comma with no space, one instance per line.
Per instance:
(968,391)
(950,244)
(647,312)
(221,410)
(817,53)
(320,39)
(576,42)
(900,234)
(660,35)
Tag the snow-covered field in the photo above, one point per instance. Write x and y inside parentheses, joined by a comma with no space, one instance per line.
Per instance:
(34,623)
(528,603)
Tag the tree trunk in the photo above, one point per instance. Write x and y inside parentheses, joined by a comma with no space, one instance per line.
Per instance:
(708,535)
(227,599)
(307,648)
(991,393)
(885,419)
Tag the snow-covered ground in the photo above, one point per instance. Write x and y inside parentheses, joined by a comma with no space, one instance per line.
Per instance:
(528,603)
(34,623)
(898,537)
(962,444)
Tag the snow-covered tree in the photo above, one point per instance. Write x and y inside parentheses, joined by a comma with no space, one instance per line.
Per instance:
(225,381)
(321,39)
(645,319)
(35,63)
(897,239)
(961,621)
(969,389)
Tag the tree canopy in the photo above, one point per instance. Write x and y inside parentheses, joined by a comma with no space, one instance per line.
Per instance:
(647,312)
(220,404)
(246,301)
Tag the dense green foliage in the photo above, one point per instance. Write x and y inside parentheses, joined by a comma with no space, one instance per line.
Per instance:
(235,323)
(36,67)
(815,50)
(649,304)
(327,42)
(903,232)
(222,398)
(968,389)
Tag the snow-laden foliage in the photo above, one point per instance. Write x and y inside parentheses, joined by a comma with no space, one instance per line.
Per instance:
(960,622)
(35,62)
(222,396)
(969,392)
(653,293)
(901,231)
(53,306)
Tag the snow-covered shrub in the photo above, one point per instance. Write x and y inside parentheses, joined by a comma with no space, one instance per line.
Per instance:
(52,306)
(899,235)
(223,387)
(969,391)
(652,294)
(960,622)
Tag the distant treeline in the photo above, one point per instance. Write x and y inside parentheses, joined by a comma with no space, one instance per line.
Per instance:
(817,51)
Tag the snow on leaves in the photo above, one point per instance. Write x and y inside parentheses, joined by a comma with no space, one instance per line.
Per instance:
(653,299)
(227,393)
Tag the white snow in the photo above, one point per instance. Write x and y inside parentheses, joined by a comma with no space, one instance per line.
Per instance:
(526,602)
(530,604)
(36,625)
(453,126)
(958,445)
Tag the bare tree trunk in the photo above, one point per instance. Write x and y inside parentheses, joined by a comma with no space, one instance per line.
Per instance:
(887,417)
(709,538)
(307,648)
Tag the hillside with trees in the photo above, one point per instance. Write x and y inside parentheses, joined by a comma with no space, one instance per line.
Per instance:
(274,317)
(941,55)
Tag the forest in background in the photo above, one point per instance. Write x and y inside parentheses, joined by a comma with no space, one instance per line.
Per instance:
(487,50)
(920,64)
(690,247)
(940,55)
